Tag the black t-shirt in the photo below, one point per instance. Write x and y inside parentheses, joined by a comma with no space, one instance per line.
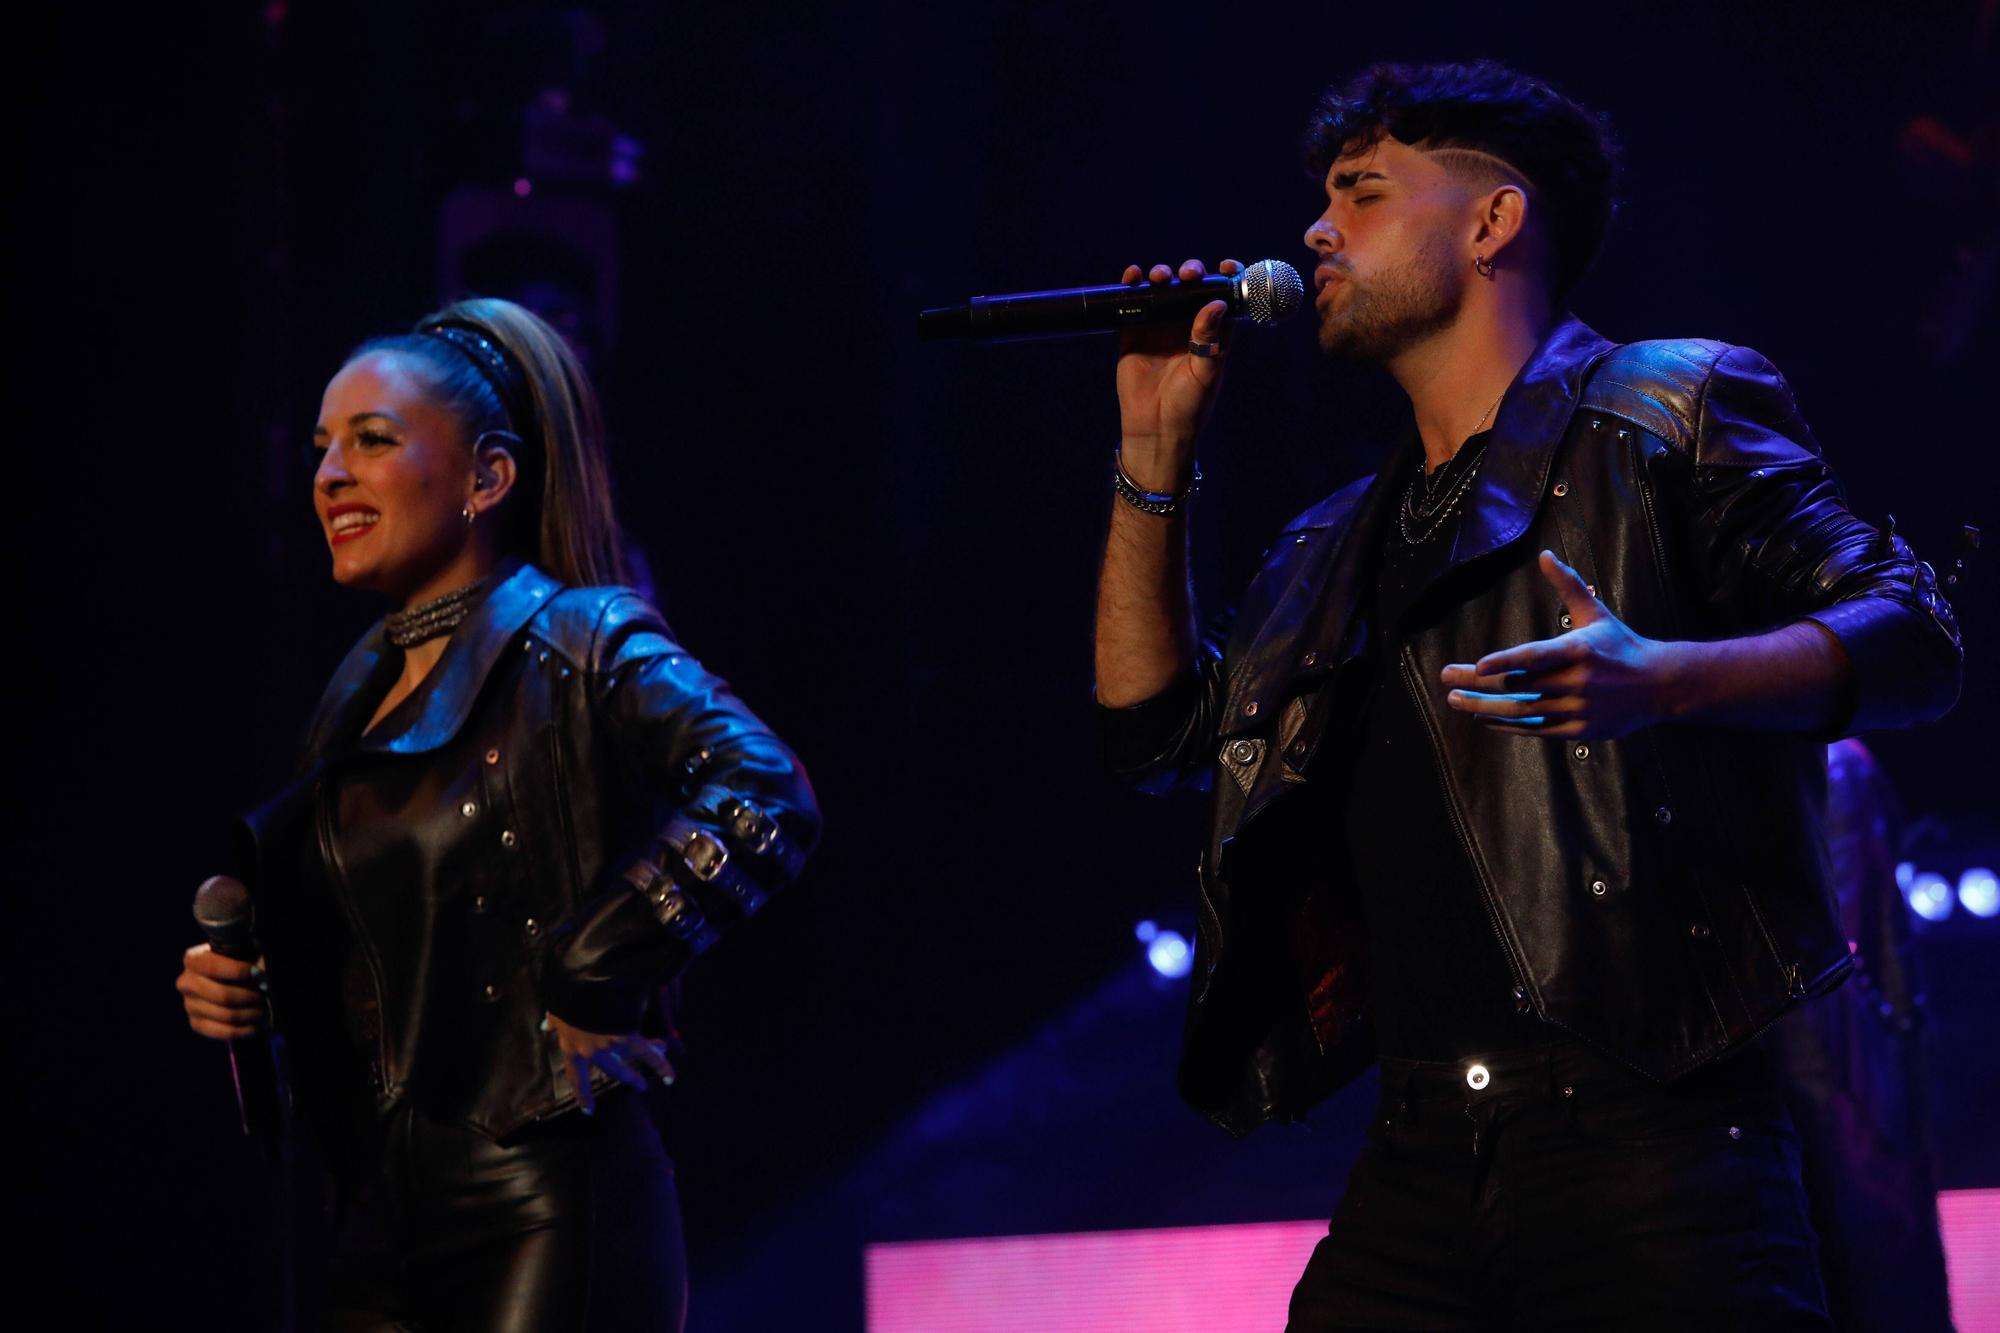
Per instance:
(1439,982)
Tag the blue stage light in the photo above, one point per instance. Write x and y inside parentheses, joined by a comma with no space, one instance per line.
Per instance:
(1930,896)
(1906,871)
(1147,931)
(1979,891)
(1169,954)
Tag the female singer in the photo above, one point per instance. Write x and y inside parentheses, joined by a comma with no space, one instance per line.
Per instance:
(523,808)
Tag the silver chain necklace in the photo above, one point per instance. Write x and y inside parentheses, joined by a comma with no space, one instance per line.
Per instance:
(1430,512)
(1429,516)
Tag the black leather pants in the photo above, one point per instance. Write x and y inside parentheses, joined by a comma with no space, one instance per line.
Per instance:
(574,1226)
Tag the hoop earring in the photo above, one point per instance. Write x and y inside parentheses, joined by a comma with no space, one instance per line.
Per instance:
(471,514)
(1483,265)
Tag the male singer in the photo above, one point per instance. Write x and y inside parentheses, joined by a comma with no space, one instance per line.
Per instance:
(1517,748)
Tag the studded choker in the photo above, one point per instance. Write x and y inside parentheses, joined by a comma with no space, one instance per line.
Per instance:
(433,619)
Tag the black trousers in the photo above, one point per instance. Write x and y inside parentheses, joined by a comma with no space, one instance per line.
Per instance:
(1563,1192)
(575,1225)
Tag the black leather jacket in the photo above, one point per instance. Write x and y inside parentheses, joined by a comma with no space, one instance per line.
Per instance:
(565,811)
(1662,897)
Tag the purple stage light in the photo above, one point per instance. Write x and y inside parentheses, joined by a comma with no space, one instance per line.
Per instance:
(1196,1279)
(1969,1221)
(1171,1280)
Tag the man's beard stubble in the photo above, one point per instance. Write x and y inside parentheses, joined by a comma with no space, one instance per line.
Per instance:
(1398,309)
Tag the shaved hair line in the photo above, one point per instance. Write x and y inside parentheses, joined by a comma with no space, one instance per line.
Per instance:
(1470,161)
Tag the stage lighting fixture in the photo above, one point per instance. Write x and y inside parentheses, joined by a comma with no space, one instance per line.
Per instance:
(1979,891)
(1169,954)
(1930,896)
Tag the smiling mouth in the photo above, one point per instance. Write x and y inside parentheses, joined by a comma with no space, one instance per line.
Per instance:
(352,525)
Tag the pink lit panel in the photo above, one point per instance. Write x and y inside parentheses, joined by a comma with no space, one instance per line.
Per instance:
(1197,1279)
(1169,1280)
(1971,1223)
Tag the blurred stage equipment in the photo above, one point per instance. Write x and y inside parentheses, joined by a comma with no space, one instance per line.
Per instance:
(534,220)
(1854,1075)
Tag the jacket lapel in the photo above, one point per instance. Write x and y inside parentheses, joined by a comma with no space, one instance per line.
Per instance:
(1314,604)
(349,692)
(1533,418)
(444,700)
(440,705)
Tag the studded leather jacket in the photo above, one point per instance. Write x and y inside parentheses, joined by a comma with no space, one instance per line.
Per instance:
(566,811)
(1662,897)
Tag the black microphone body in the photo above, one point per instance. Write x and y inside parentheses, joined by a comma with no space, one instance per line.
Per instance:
(222,910)
(1266,292)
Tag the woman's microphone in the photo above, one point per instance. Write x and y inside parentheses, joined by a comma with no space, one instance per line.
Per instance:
(1264,293)
(222,910)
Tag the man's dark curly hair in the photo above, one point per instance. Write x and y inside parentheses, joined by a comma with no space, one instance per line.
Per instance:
(1563,151)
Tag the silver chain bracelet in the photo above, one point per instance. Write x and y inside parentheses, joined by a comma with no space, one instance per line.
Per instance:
(1162,504)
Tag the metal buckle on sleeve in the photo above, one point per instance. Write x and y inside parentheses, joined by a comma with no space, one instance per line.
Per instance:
(645,878)
(673,909)
(753,830)
(675,914)
(704,855)
(680,916)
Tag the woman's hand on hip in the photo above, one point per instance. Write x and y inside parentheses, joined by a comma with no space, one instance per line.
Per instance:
(620,1055)
(224,997)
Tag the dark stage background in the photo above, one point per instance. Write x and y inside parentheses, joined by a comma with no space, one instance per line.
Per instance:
(888,547)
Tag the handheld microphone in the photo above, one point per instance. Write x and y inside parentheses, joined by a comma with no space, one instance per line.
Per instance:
(222,910)
(1264,293)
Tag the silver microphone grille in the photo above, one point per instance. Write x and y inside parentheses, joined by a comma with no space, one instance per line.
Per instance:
(1272,290)
(222,902)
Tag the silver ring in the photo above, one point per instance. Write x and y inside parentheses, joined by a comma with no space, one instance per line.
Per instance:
(1204,349)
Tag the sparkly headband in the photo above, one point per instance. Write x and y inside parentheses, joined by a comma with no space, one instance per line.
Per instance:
(494,366)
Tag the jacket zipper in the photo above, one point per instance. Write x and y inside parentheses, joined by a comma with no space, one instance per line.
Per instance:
(1208,922)
(560,783)
(1514,963)
(1663,585)
(1665,588)
(338,874)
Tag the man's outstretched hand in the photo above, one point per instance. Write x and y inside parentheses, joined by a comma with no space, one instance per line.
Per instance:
(1598,680)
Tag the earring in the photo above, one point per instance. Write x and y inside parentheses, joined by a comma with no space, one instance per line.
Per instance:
(1483,265)
(470,513)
